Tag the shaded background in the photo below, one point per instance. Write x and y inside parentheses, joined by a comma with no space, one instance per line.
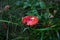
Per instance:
(11,27)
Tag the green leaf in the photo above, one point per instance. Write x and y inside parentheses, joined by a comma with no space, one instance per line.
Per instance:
(26,4)
(42,5)
(18,3)
(46,15)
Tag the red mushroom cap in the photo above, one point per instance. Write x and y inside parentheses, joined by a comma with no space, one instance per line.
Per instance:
(30,20)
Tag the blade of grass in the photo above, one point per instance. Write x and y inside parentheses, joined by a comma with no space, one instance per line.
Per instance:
(25,29)
(57,33)
(7,35)
(42,35)
(9,22)
(42,29)
(20,38)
